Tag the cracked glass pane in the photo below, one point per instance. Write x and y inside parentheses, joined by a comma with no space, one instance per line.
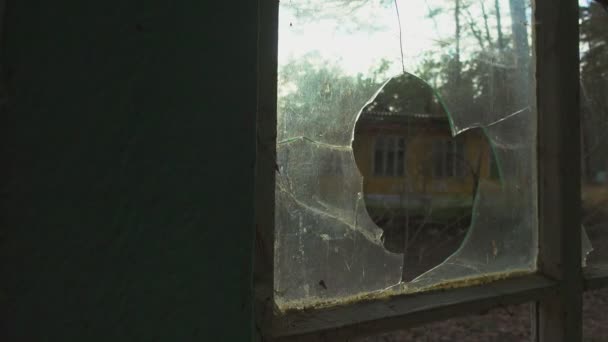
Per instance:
(405,147)
(594,119)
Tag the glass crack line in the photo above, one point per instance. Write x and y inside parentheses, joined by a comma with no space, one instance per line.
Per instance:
(374,239)
(314,142)
(478,125)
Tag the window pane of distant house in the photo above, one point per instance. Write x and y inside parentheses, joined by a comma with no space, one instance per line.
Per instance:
(448,157)
(411,122)
(401,157)
(459,159)
(390,157)
(439,159)
(379,156)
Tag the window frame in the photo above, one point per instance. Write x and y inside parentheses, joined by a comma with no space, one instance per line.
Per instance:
(555,290)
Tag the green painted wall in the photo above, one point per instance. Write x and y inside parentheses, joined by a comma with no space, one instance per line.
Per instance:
(127,148)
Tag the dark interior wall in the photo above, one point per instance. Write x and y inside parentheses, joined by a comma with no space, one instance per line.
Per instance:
(127,151)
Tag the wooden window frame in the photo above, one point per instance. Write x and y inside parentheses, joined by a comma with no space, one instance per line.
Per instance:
(555,290)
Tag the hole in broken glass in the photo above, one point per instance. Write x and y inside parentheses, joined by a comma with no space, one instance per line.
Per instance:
(419,181)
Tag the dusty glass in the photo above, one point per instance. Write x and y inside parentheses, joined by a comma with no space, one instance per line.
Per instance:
(405,147)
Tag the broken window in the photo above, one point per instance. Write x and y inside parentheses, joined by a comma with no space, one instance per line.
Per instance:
(439,89)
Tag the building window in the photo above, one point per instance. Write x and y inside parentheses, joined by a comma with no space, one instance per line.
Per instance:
(448,159)
(389,156)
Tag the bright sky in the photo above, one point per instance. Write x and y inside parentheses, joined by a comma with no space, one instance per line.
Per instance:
(360,48)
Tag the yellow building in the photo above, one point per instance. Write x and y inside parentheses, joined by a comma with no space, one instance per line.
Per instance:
(405,151)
